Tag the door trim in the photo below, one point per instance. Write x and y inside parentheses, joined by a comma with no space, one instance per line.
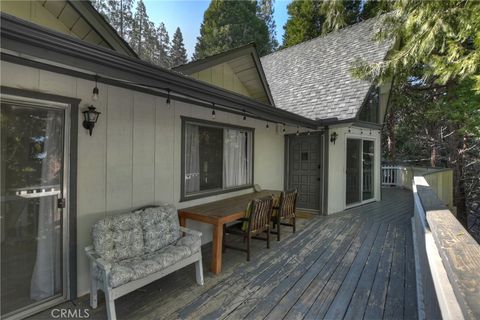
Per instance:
(71,107)
(361,202)
(321,152)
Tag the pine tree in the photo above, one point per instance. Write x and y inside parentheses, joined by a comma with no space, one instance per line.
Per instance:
(442,39)
(231,24)
(178,53)
(118,14)
(161,55)
(304,22)
(265,12)
(141,28)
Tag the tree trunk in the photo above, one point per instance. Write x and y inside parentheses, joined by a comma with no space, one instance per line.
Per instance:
(391,139)
(433,156)
(457,162)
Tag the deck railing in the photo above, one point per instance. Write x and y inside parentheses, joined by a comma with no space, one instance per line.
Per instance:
(447,258)
(397,176)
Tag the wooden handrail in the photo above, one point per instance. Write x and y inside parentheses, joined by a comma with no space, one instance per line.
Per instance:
(447,258)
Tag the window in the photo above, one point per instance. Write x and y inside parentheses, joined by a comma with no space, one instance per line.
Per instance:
(370,110)
(216,158)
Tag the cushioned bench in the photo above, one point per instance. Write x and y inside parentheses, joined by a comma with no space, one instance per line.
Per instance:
(131,250)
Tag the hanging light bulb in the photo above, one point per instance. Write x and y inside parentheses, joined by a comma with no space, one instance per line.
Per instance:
(298,131)
(308,133)
(213,110)
(168,97)
(95,90)
(283,130)
(267,126)
(244,116)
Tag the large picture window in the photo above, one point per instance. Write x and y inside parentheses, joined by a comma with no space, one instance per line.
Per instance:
(216,158)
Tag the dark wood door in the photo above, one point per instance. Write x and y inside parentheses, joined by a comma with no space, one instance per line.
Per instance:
(304,169)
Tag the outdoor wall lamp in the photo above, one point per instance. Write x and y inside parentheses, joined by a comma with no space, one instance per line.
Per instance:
(333,137)
(90,117)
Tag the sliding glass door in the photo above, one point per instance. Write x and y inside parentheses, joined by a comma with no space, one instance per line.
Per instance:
(359,171)
(32,189)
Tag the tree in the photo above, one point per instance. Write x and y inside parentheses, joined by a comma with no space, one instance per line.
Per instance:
(178,53)
(231,24)
(342,13)
(442,39)
(304,22)
(140,28)
(118,14)
(162,47)
(265,11)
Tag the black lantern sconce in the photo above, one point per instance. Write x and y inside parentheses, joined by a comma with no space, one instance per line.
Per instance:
(90,117)
(333,137)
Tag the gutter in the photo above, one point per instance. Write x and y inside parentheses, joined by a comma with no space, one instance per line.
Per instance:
(27,38)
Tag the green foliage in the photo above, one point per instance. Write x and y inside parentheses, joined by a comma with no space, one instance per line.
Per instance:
(304,23)
(265,11)
(340,13)
(178,53)
(231,24)
(441,36)
(151,43)
(310,18)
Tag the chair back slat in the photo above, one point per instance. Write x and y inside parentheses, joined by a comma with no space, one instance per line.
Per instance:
(261,214)
(288,204)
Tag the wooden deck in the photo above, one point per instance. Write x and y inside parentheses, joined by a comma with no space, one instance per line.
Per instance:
(352,265)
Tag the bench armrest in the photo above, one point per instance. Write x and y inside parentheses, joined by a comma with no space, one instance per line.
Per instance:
(95,258)
(190,231)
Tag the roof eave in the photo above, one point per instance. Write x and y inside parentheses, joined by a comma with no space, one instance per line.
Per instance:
(24,37)
(226,56)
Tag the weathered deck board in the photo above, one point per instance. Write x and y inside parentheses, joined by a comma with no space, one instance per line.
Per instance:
(352,265)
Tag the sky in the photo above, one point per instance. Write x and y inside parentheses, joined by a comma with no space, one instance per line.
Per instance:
(188,15)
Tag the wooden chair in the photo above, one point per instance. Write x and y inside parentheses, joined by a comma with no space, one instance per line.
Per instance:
(257,222)
(284,213)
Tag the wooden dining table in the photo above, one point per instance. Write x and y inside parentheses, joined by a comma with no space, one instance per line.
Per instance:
(219,213)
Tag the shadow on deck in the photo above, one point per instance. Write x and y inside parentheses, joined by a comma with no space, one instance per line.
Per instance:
(352,265)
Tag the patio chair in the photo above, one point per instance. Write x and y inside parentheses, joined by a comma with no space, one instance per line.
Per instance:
(284,213)
(251,226)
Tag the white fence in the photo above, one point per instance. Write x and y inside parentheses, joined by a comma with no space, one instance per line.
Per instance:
(391,176)
(397,176)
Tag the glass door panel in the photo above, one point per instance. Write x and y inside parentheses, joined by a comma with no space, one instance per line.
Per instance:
(353,171)
(32,168)
(368,162)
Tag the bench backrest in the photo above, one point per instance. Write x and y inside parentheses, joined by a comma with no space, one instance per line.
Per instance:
(124,236)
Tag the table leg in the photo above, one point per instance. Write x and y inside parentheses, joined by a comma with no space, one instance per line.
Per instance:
(182,221)
(217,248)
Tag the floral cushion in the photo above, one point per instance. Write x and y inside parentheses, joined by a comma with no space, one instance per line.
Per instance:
(136,268)
(160,227)
(118,237)
(193,243)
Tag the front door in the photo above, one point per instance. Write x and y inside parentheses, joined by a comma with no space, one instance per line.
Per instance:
(33,227)
(304,169)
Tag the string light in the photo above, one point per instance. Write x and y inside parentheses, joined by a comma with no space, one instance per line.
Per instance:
(267,126)
(283,130)
(213,110)
(244,116)
(168,97)
(95,90)
(298,131)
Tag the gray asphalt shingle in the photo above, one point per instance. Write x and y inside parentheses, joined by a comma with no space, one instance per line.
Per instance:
(313,78)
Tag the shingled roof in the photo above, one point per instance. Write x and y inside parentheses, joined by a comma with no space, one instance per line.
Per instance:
(313,78)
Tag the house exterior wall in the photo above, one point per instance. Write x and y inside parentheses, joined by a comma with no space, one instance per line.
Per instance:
(337,164)
(133,157)
(33,11)
(223,76)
